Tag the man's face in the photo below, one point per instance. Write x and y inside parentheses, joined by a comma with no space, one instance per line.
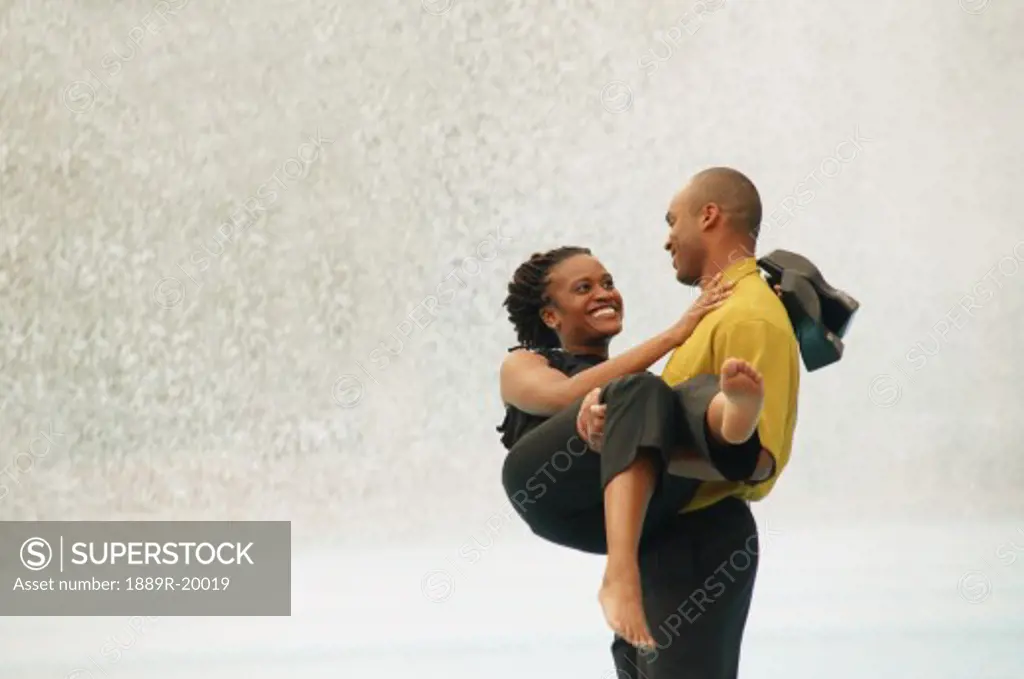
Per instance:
(685,239)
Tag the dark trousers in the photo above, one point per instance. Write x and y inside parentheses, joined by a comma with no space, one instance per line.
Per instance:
(556,485)
(698,579)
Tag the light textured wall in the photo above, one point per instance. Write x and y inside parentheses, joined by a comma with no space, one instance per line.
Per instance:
(464,129)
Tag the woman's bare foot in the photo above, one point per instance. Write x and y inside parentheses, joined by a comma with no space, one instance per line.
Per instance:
(743,390)
(622,603)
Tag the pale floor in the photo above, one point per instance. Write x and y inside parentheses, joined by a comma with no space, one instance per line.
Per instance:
(943,602)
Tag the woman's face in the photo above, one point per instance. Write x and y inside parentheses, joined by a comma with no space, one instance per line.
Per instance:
(585,305)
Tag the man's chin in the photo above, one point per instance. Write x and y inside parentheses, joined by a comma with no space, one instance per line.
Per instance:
(687,280)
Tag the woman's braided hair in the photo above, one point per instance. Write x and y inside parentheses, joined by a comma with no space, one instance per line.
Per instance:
(527,296)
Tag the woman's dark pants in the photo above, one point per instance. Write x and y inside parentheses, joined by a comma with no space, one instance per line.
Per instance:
(556,484)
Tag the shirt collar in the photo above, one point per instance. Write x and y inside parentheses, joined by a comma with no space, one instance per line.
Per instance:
(740,269)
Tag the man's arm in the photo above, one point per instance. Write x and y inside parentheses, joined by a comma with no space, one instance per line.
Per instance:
(773,352)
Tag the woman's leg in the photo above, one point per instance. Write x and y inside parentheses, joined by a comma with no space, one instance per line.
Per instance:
(555,481)
(721,413)
(548,476)
(641,431)
(647,422)
(626,500)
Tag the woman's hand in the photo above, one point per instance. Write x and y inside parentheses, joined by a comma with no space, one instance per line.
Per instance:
(711,297)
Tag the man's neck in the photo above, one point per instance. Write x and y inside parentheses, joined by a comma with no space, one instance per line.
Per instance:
(725,258)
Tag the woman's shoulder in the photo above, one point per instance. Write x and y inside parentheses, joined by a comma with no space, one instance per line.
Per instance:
(518,422)
(521,355)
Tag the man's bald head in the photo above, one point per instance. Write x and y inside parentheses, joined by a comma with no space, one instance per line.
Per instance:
(712,220)
(735,195)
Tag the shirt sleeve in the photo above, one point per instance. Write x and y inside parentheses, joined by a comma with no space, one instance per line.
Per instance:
(773,353)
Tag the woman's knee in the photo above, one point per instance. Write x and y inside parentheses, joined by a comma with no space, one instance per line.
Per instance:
(523,495)
(529,488)
(512,474)
(519,478)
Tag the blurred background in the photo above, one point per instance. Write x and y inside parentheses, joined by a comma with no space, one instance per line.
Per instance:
(252,256)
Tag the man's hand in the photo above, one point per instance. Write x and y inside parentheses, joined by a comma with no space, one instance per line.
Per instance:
(590,420)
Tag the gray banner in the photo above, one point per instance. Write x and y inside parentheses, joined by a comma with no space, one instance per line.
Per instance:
(158,568)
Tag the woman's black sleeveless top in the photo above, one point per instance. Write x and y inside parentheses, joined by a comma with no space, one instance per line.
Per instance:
(517,423)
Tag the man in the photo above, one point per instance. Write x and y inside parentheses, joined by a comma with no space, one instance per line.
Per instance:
(698,575)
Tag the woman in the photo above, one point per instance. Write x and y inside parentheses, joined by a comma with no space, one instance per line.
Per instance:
(565,309)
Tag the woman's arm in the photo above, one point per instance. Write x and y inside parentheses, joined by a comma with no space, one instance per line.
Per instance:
(533,386)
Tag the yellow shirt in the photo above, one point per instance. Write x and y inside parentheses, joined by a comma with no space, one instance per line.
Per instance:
(752,325)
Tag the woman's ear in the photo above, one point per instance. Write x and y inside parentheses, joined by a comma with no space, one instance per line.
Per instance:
(549,317)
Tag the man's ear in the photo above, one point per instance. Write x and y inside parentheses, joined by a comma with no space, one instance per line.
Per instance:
(709,215)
